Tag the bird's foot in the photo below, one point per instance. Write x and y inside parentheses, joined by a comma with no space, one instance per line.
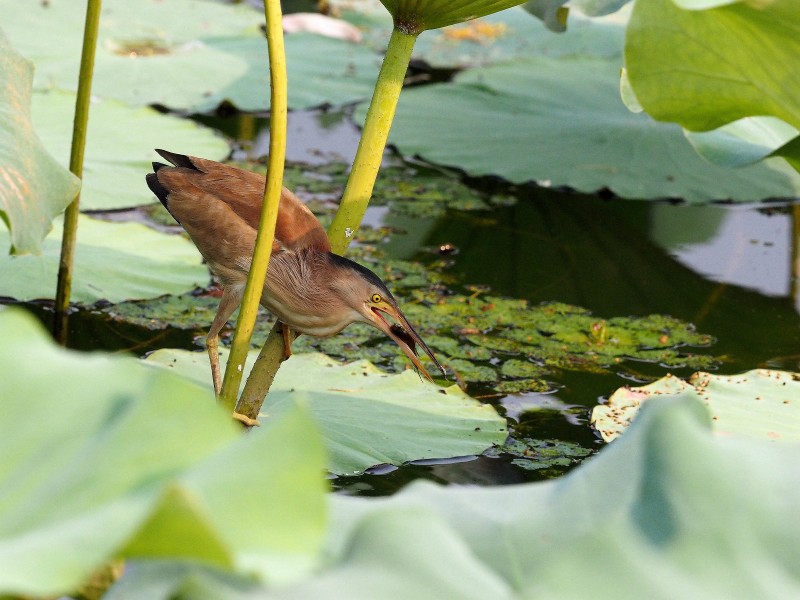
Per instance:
(245,420)
(287,340)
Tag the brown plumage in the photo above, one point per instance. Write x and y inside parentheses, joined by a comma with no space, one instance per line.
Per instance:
(307,287)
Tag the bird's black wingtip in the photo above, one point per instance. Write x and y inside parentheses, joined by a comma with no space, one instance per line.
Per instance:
(179,160)
(157,188)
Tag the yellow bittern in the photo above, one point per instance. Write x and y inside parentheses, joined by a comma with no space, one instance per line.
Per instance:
(308,288)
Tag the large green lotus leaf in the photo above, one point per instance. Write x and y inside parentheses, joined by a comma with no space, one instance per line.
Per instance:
(554,14)
(186,54)
(145,50)
(562,123)
(33,187)
(120,145)
(113,261)
(321,70)
(706,68)
(104,455)
(746,141)
(414,16)
(668,511)
(366,416)
(504,36)
(760,403)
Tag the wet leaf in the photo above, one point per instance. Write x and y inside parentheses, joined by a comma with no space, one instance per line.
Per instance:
(33,187)
(520,386)
(470,372)
(536,455)
(522,368)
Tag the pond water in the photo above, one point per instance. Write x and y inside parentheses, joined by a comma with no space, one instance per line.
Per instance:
(727,269)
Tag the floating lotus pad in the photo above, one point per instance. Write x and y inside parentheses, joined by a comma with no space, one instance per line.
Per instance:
(113,261)
(366,416)
(760,403)
(534,120)
(119,146)
(187,55)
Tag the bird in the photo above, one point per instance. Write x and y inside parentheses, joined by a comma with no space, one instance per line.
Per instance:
(308,288)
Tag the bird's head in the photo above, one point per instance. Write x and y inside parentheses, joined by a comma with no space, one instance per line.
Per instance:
(368,296)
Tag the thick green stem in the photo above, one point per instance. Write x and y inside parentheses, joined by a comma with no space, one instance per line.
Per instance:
(373,141)
(354,201)
(79,126)
(269,212)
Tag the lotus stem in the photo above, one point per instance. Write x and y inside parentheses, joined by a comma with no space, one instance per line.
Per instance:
(369,155)
(79,127)
(353,205)
(269,212)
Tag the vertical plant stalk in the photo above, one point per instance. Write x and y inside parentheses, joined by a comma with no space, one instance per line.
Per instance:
(354,201)
(269,212)
(79,127)
(374,135)
(796,255)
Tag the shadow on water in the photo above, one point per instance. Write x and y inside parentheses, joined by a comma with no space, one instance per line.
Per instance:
(607,256)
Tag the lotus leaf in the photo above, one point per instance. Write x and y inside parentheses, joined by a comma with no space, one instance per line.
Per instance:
(534,121)
(500,37)
(676,78)
(760,403)
(411,16)
(366,416)
(113,261)
(119,146)
(643,518)
(141,463)
(33,187)
(745,141)
(188,55)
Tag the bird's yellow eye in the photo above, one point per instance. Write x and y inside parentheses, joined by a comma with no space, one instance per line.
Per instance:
(376,298)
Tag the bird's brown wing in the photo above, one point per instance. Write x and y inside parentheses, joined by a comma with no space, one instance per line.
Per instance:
(243,192)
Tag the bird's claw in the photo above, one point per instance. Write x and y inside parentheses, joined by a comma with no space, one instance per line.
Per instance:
(245,420)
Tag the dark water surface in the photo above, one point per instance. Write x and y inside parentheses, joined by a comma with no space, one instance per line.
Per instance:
(727,269)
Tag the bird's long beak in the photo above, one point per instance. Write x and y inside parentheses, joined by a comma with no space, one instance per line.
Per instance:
(404,335)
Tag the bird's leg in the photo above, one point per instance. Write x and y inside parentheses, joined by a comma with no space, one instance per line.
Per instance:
(287,340)
(230,300)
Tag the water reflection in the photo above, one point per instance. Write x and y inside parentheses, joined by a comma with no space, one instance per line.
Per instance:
(747,246)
